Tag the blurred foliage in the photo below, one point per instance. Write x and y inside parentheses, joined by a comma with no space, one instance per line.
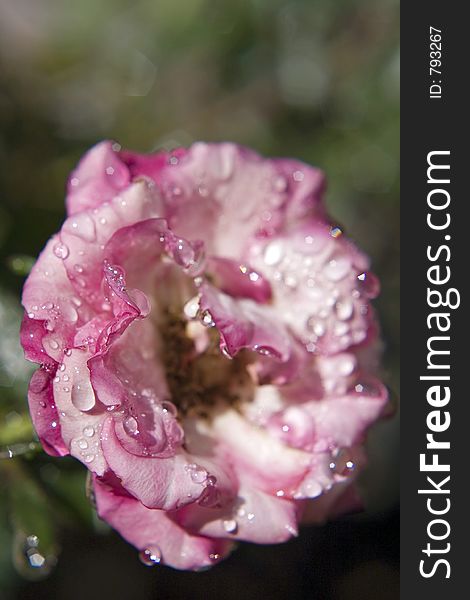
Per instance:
(313,79)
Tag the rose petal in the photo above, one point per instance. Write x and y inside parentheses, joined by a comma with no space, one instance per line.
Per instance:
(157,530)
(99,176)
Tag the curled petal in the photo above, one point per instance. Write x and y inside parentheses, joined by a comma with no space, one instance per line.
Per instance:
(164,483)
(157,531)
(244,324)
(44,413)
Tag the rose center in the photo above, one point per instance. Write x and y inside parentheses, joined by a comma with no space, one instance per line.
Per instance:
(201,382)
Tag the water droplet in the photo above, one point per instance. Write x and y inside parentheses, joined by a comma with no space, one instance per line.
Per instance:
(131,426)
(191,308)
(310,488)
(83,396)
(89,458)
(169,408)
(197,473)
(230,525)
(340,329)
(88,432)
(151,556)
(273,253)
(61,250)
(53,344)
(335,232)
(206,319)
(298,176)
(82,444)
(32,541)
(280,183)
(290,281)
(344,310)
(36,560)
(316,326)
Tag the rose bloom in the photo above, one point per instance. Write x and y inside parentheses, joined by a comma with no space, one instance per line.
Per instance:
(205,342)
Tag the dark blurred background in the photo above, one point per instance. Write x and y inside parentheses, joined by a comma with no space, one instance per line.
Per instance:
(312,79)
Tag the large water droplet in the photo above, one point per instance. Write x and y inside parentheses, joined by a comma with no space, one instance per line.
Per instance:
(131,426)
(183,253)
(310,488)
(191,308)
(273,253)
(68,312)
(88,431)
(198,474)
(83,396)
(230,525)
(151,556)
(61,250)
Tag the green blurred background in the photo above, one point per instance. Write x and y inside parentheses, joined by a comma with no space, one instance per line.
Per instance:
(312,79)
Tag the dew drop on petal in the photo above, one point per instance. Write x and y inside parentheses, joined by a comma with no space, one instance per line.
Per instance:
(131,426)
(69,313)
(150,556)
(206,319)
(230,525)
(88,432)
(335,232)
(198,474)
(344,310)
(280,183)
(83,396)
(61,250)
(191,308)
(310,488)
(169,408)
(273,253)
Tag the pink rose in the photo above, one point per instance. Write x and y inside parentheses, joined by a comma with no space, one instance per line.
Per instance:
(204,334)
